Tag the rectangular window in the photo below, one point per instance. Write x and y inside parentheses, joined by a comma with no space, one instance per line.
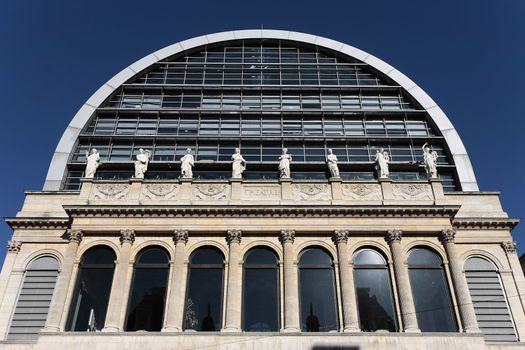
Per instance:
(147,127)
(120,153)
(168,126)
(333,127)
(231,101)
(151,101)
(350,102)
(209,125)
(354,127)
(171,101)
(395,127)
(292,125)
(375,128)
(105,125)
(126,126)
(330,102)
(311,102)
(251,102)
(230,126)
(188,125)
(131,101)
(291,102)
(164,153)
(313,127)
(271,125)
(358,153)
(251,126)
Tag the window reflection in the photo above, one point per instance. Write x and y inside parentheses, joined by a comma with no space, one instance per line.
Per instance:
(374,292)
(317,291)
(261,291)
(93,287)
(148,291)
(430,291)
(203,310)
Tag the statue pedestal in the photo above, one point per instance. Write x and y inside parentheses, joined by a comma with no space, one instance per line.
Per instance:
(286,189)
(337,192)
(236,188)
(386,189)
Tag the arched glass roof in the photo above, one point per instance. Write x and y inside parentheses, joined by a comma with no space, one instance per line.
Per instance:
(260,91)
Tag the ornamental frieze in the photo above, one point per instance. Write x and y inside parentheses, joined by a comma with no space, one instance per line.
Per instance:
(160,191)
(211,191)
(261,192)
(110,191)
(311,192)
(412,191)
(362,191)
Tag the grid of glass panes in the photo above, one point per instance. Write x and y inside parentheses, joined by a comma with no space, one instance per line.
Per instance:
(274,63)
(266,100)
(265,125)
(408,151)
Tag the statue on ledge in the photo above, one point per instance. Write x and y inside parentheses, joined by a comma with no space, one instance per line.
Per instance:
(92,163)
(284,164)
(331,160)
(238,164)
(382,159)
(430,161)
(141,164)
(187,163)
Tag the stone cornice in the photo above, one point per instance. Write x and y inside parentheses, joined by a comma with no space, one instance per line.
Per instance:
(485,223)
(261,211)
(37,223)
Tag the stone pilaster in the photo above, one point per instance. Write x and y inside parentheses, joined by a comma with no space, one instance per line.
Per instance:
(13,247)
(466,310)
(113,320)
(175,307)
(406,301)
(56,309)
(234,291)
(514,283)
(346,275)
(290,285)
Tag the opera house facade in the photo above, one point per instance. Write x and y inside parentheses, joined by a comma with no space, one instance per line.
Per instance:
(261,189)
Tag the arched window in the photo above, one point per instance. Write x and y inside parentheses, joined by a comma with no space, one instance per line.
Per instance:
(489,300)
(203,310)
(34,299)
(317,291)
(261,291)
(431,294)
(148,290)
(93,286)
(374,292)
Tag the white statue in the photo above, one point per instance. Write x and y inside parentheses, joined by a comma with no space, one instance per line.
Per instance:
(141,164)
(331,160)
(284,164)
(238,164)
(430,161)
(92,163)
(382,159)
(186,165)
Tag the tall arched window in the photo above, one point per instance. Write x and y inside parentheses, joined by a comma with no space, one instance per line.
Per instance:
(317,291)
(148,290)
(34,299)
(203,311)
(489,300)
(93,286)
(374,292)
(261,291)
(431,294)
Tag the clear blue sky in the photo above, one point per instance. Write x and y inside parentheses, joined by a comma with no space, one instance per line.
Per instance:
(467,55)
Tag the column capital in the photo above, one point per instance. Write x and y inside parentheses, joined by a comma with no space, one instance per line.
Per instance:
(74,235)
(393,236)
(447,236)
(509,246)
(127,236)
(287,236)
(234,236)
(340,236)
(13,246)
(180,236)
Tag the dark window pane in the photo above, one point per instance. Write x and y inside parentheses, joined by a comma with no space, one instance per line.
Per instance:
(368,257)
(423,257)
(315,256)
(204,300)
(153,256)
(207,256)
(318,306)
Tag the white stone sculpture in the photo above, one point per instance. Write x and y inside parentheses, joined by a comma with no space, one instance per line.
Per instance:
(92,163)
(141,164)
(186,165)
(382,159)
(284,164)
(331,160)
(430,161)
(238,164)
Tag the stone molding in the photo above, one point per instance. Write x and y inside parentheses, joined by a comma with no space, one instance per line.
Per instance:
(485,223)
(509,246)
(234,236)
(20,223)
(74,235)
(14,246)
(312,192)
(447,236)
(159,191)
(362,191)
(340,236)
(180,236)
(111,191)
(211,191)
(287,236)
(412,191)
(393,236)
(127,236)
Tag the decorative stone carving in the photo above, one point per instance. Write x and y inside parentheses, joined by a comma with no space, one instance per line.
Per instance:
(382,159)
(141,164)
(74,235)
(509,246)
(186,164)
(430,161)
(180,236)
(234,236)
(362,191)
(14,246)
(447,236)
(331,161)
(284,164)
(238,164)
(111,191)
(127,236)
(160,191)
(340,236)
(261,192)
(287,236)
(92,163)
(393,236)
(311,192)
(211,191)
(412,191)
